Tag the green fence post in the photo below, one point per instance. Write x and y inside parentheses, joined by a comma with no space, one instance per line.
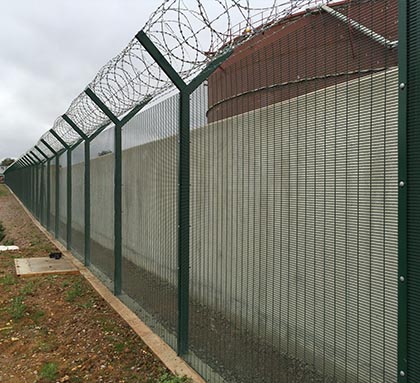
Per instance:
(117,190)
(25,187)
(29,186)
(402,195)
(34,184)
(409,192)
(42,188)
(33,188)
(69,198)
(48,208)
(37,186)
(48,184)
(23,180)
(57,196)
(117,179)
(86,188)
(183,178)
(36,191)
(66,147)
(41,195)
(87,203)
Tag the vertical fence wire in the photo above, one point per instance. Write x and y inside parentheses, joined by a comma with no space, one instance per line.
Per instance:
(150,161)
(412,208)
(293,205)
(53,194)
(102,204)
(78,208)
(62,198)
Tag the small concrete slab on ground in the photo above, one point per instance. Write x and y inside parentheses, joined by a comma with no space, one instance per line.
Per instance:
(28,267)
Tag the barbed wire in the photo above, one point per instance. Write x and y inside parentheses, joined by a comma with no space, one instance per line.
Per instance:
(44,149)
(189,34)
(51,141)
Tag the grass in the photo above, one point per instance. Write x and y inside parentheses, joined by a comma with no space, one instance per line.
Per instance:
(46,346)
(169,378)
(37,315)
(3,191)
(89,304)
(28,288)
(74,292)
(28,317)
(2,233)
(17,308)
(8,280)
(49,371)
(119,347)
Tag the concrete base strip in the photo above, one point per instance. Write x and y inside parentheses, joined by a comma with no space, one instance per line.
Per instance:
(162,350)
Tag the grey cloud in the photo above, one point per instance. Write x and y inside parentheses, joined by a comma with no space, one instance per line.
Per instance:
(49,51)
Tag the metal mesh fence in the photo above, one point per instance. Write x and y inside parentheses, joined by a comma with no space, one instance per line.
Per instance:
(294,206)
(62,198)
(78,208)
(409,209)
(149,266)
(102,203)
(256,228)
(43,195)
(52,195)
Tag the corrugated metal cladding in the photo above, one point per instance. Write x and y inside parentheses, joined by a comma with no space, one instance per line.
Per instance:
(294,207)
(303,48)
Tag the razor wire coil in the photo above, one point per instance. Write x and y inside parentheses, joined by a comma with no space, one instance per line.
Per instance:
(189,34)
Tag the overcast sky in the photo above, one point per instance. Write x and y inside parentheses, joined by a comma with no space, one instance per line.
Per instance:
(49,51)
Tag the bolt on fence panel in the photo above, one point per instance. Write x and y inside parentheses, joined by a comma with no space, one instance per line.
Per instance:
(409,195)
(62,199)
(77,190)
(150,192)
(281,261)
(53,194)
(294,207)
(43,217)
(37,189)
(102,204)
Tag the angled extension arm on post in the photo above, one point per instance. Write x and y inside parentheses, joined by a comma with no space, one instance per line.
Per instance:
(117,180)
(42,153)
(41,187)
(48,146)
(86,188)
(183,250)
(117,189)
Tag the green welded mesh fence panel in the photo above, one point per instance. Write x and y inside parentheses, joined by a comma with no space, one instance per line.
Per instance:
(294,205)
(37,205)
(78,185)
(62,227)
(102,203)
(149,266)
(43,197)
(52,195)
(413,187)
(293,249)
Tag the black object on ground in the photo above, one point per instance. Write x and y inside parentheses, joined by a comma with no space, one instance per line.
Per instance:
(56,255)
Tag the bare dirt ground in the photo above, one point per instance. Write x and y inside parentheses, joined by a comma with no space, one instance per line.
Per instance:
(57,328)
